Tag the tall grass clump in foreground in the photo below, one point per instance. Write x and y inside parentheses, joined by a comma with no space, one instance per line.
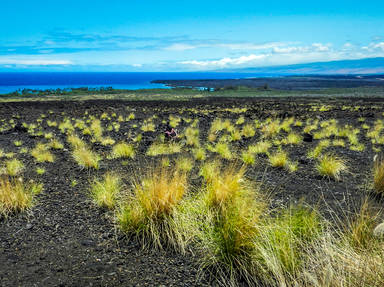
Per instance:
(230,224)
(15,196)
(283,245)
(378,176)
(347,256)
(150,212)
(104,192)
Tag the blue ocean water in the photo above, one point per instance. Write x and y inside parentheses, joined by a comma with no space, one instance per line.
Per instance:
(10,82)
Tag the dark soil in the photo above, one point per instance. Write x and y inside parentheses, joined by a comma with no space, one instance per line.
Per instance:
(66,240)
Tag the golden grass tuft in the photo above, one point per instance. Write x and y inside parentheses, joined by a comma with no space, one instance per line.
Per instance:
(15,196)
(232,214)
(260,147)
(331,166)
(86,158)
(104,192)
(56,144)
(248,157)
(199,153)
(123,150)
(149,213)
(41,153)
(278,159)
(164,148)
(13,167)
(75,141)
(378,176)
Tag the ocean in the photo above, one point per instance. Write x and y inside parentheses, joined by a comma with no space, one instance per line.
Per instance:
(10,82)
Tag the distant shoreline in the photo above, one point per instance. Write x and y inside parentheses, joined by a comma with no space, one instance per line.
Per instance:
(307,82)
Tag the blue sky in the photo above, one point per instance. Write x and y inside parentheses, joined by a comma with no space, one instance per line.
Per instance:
(116,35)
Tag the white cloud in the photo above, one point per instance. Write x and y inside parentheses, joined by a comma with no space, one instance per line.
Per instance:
(180,47)
(137,65)
(225,62)
(251,46)
(374,47)
(34,62)
(288,50)
(319,47)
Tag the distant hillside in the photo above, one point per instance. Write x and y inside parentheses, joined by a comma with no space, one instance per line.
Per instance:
(343,67)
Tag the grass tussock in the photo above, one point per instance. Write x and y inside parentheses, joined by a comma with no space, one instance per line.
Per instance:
(282,247)
(150,213)
(378,176)
(105,191)
(331,166)
(86,158)
(41,153)
(75,141)
(123,150)
(230,223)
(13,167)
(164,148)
(16,196)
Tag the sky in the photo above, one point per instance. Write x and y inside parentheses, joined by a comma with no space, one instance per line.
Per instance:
(152,36)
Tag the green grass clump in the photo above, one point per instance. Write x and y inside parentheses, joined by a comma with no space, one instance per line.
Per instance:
(192,136)
(40,170)
(261,147)
(248,131)
(278,159)
(14,167)
(378,176)
(104,192)
(293,139)
(164,148)
(282,246)
(184,164)
(18,143)
(15,196)
(199,153)
(222,148)
(174,121)
(248,157)
(106,141)
(56,144)
(123,150)
(148,214)
(42,154)
(233,211)
(75,141)
(318,150)
(97,129)
(86,158)
(331,166)
(148,127)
